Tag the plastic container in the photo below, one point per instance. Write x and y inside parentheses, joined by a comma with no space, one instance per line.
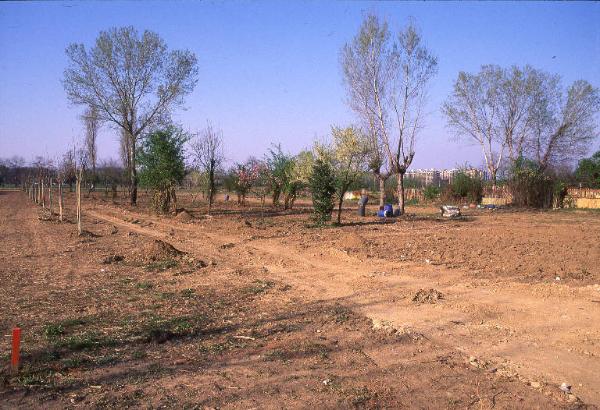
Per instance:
(388,210)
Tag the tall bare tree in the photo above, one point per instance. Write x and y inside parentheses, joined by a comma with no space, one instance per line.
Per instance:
(387,83)
(472,112)
(525,112)
(91,123)
(208,156)
(413,66)
(365,63)
(563,123)
(516,90)
(132,80)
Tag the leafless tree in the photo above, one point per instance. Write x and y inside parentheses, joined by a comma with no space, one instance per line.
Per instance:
(132,81)
(365,63)
(91,123)
(472,112)
(516,90)
(524,111)
(413,66)
(563,124)
(386,84)
(67,168)
(208,156)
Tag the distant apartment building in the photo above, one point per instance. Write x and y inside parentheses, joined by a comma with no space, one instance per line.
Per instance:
(446,176)
(425,176)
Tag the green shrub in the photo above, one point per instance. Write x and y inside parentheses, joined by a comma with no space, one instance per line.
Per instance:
(466,187)
(161,159)
(431,192)
(322,187)
(588,171)
(530,186)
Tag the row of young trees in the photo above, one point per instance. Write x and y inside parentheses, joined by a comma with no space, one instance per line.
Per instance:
(344,157)
(133,82)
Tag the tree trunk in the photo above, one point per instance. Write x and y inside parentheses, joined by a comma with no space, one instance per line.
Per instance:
(60,201)
(401,192)
(43,196)
(211,187)
(50,197)
(339,211)
(381,190)
(174,197)
(78,194)
(494,178)
(132,173)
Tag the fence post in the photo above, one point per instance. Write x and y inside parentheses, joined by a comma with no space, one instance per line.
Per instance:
(16,347)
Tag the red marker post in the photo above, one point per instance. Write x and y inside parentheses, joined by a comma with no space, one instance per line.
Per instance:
(16,347)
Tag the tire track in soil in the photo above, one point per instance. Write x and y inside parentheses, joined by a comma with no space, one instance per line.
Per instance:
(539,332)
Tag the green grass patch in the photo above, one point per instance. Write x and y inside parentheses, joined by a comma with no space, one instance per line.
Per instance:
(145,285)
(53,330)
(161,266)
(85,341)
(160,330)
(34,379)
(258,287)
(188,293)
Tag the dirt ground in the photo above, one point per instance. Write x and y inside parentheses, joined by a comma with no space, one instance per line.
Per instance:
(259,309)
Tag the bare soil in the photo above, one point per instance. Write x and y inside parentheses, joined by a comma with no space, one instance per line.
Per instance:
(251,308)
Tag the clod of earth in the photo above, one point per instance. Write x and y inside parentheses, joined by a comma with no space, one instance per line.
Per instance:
(159,250)
(427,296)
(184,216)
(112,259)
(88,234)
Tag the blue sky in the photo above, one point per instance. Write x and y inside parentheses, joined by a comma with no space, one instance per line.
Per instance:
(269,71)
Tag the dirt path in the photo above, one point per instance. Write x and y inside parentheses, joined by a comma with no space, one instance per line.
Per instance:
(543,333)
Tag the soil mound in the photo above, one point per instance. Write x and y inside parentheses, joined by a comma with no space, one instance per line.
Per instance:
(184,216)
(354,241)
(427,296)
(159,250)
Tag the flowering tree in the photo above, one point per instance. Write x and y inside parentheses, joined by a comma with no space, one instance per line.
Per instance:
(244,176)
(349,153)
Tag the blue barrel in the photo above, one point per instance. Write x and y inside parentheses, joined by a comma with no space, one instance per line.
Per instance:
(388,210)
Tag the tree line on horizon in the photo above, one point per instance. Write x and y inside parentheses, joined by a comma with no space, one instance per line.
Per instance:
(523,118)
